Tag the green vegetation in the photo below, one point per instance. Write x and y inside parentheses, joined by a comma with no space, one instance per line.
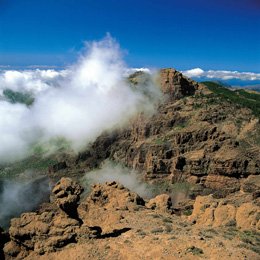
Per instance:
(239,97)
(18,97)
(57,144)
(182,187)
(197,105)
(31,163)
(159,140)
(250,240)
(187,212)
(157,230)
(181,126)
(195,250)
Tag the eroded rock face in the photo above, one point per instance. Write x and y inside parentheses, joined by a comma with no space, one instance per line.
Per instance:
(51,227)
(104,206)
(66,195)
(237,210)
(192,137)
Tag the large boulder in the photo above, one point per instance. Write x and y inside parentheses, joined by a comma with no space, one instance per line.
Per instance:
(66,195)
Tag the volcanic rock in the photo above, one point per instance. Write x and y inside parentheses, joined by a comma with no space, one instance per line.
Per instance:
(105,205)
(51,227)
(161,202)
(66,195)
(238,210)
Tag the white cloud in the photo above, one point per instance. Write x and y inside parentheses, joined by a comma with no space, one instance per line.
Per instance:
(193,73)
(133,70)
(77,103)
(221,74)
(30,80)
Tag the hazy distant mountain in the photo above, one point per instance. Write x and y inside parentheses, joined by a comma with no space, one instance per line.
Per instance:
(226,85)
(221,83)
(253,87)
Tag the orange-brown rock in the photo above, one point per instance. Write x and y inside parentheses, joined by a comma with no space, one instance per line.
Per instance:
(235,210)
(50,227)
(4,238)
(66,195)
(131,230)
(105,205)
(160,203)
(194,136)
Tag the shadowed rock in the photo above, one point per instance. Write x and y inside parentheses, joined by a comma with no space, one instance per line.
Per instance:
(66,195)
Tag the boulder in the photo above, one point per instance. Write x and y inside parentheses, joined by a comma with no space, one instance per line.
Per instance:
(161,202)
(66,195)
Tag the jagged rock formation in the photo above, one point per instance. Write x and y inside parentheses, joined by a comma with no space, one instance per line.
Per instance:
(241,209)
(102,208)
(66,195)
(133,228)
(51,227)
(161,203)
(194,137)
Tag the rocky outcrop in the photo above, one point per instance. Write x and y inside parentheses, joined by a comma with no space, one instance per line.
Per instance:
(239,210)
(175,85)
(66,195)
(104,206)
(193,137)
(51,227)
(131,225)
(161,203)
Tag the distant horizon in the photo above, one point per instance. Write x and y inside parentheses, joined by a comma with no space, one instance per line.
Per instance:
(211,35)
(232,82)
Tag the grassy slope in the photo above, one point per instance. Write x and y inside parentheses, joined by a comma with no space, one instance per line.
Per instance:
(240,97)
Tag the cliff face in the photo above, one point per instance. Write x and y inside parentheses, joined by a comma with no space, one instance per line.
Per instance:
(194,136)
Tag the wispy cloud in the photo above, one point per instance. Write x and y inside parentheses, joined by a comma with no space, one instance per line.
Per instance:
(221,74)
(42,67)
(5,66)
(77,103)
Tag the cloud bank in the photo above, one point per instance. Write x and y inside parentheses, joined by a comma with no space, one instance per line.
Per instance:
(221,74)
(77,103)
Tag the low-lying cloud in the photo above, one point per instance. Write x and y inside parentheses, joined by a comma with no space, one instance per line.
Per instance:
(221,74)
(111,171)
(77,103)
(18,197)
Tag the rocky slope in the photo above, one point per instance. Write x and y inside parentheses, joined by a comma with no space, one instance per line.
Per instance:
(115,223)
(194,136)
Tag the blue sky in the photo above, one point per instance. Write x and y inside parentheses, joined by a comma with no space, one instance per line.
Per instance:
(216,34)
